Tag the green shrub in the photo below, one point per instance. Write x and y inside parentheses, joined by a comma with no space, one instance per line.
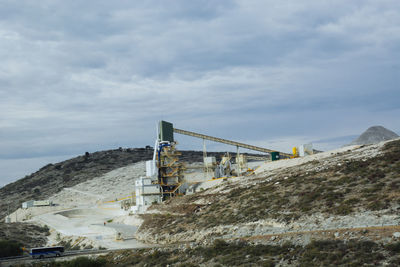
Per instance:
(376,205)
(339,253)
(376,175)
(352,201)
(84,262)
(394,248)
(343,209)
(10,248)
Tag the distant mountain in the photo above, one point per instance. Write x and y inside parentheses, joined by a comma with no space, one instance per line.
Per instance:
(373,135)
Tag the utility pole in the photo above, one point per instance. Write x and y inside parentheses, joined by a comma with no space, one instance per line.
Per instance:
(205,157)
(238,163)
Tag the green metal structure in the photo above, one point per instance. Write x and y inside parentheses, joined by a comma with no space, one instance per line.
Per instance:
(275,155)
(166,131)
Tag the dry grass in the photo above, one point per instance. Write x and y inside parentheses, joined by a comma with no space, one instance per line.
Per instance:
(28,235)
(221,253)
(369,184)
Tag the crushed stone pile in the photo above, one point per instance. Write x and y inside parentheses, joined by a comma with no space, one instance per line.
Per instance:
(373,135)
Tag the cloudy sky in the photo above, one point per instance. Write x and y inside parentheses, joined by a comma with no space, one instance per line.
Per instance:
(80,76)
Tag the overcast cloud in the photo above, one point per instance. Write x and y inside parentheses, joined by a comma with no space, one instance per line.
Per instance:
(80,76)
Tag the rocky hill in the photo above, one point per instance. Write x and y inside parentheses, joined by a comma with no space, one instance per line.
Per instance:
(373,135)
(342,196)
(334,208)
(241,253)
(52,178)
(29,235)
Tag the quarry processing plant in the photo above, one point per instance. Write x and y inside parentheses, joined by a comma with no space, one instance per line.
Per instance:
(165,172)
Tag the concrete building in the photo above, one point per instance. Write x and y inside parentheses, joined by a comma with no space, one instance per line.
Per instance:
(151,169)
(305,150)
(147,193)
(36,203)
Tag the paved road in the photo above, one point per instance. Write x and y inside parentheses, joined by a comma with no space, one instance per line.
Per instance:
(68,255)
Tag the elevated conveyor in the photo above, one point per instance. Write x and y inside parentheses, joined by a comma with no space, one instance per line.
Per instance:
(229,142)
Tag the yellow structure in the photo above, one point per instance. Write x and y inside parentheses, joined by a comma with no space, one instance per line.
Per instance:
(295,152)
(170,174)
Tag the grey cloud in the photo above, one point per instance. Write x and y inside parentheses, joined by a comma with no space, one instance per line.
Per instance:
(77,76)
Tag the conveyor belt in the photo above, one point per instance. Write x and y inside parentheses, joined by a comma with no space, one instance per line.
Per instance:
(233,143)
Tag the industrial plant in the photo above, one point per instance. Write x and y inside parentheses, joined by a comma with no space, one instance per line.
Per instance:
(163,195)
(166,176)
(165,173)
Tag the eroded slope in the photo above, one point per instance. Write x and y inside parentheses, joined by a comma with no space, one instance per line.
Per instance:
(354,188)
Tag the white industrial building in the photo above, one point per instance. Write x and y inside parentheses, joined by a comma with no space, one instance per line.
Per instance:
(36,203)
(147,193)
(306,150)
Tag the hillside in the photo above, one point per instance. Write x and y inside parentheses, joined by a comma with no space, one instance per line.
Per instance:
(334,208)
(356,188)
(240,253)
(221,253)
(52,178)
(28,235)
